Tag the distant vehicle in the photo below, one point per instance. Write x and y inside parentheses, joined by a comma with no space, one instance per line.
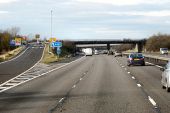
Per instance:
(118,54)
(165,81)
(104,51)
(80,53)
(96,52)
(109,52)
(88,51)
(163,51)
(136,59)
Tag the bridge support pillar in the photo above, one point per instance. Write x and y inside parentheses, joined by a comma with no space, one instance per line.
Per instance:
(108,47)
(140,47)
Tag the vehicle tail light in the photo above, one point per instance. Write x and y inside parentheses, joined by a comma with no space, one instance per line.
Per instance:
(130,58)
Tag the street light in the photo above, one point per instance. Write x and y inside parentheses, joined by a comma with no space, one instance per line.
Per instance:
(51,22)
(51,31)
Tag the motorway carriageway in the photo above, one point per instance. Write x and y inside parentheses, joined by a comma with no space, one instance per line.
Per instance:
(26,59)
(97,84)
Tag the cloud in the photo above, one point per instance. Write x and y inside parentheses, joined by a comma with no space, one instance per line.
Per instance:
(3,12)
(163,13)
(167,22)
(107,30)
(7,1)
(125,2)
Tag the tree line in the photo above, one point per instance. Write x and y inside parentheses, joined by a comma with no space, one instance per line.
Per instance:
(155,42)
(5,37)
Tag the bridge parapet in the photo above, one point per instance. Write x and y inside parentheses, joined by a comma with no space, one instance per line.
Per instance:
(140,43)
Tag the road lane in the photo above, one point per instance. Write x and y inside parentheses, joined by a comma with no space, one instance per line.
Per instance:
(94,84)
(13,68)
(150,78)
(39,95)
(106,89)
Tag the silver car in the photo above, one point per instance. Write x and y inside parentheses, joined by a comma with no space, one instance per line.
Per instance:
(118,54)
(166,77)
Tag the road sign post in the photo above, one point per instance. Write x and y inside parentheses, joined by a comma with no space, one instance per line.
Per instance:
(58,51)
(58,46)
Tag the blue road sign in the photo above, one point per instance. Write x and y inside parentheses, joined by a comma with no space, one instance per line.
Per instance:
(12,42)
(56,44)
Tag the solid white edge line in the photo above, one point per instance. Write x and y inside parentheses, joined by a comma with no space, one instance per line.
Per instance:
(152,101)
(15,57)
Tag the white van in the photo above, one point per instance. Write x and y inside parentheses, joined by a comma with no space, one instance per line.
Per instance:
(163,51)
(88,51)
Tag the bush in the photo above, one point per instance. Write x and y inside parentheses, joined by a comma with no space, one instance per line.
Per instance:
(155,42)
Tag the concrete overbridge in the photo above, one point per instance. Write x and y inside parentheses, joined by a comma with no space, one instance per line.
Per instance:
(140,43)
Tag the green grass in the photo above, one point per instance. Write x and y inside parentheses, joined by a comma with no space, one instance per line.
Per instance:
(49,58)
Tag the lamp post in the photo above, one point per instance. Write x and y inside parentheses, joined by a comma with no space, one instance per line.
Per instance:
(51,23)
(51,31)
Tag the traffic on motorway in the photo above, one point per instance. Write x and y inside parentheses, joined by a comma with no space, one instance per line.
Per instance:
(90,66)
(84,56)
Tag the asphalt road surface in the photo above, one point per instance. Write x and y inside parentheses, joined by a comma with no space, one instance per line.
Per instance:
(97,84)
(26,60)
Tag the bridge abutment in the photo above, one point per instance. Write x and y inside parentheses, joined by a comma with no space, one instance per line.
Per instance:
(108,46)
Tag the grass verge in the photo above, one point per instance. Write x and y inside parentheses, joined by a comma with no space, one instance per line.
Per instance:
(9,55)
(49,57)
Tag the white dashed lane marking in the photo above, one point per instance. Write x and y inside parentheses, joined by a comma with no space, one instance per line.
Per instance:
(154,65)
(152,101)
(139,85)
(133,77)
(74,86)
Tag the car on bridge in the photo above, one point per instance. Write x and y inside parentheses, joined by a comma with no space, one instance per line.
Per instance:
(136,59)
(165,81)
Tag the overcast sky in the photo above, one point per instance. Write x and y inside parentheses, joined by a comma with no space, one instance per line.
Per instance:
(87,19)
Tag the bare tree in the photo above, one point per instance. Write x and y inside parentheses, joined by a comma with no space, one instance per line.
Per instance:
(14,31)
